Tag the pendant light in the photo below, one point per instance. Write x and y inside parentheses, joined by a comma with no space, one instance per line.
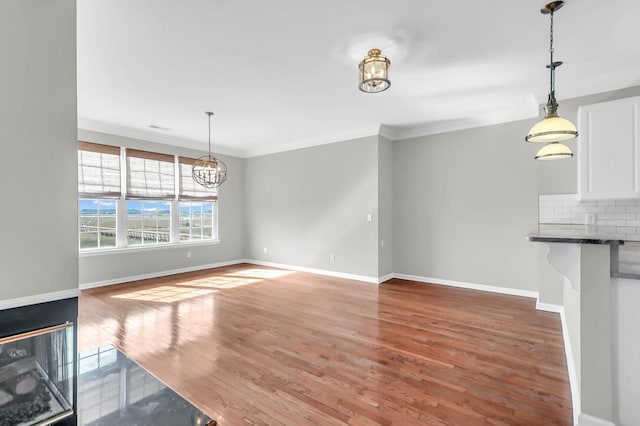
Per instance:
(553,129)
(208,171)
(374,72)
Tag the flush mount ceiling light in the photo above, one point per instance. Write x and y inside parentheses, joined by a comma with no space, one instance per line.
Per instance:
(208,171)
(552,129)
(374,72)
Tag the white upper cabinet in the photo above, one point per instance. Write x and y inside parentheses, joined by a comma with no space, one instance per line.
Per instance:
(609,150)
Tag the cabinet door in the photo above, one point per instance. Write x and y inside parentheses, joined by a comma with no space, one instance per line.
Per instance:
(609,150)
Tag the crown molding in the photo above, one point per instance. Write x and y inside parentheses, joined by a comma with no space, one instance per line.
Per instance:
(311,142)
(130,132)
(390,132)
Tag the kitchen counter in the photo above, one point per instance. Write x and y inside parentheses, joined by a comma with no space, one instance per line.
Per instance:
(587,257)
(574,234)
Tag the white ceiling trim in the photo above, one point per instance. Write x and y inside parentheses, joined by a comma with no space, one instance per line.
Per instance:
(309,143)
(129,132)
(392,133)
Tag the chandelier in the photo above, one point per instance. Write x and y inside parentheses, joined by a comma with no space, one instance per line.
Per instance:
(553,129)
(209,171)
(374,72)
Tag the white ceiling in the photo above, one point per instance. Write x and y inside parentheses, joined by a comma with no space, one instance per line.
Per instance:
(282,74)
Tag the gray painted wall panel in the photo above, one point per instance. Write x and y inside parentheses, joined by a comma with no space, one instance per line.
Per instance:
(385,207)
(463,204)
(38,112)
(307,204)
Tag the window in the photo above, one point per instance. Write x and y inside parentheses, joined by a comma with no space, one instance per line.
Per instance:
(197,205)
(98,170)
(148,222)
(151,186)
(132,198)
(98,187)
(196,220)
(98,220)
(150,175)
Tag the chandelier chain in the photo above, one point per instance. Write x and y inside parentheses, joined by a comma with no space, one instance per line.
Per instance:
(209,114)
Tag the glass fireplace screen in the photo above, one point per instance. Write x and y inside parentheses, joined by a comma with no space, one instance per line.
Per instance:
(37,376)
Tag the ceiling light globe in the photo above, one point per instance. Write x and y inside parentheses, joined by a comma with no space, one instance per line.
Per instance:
(554,151)
(552,129)
(209,171)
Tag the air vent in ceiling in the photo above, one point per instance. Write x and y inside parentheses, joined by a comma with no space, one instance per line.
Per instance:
(155,127)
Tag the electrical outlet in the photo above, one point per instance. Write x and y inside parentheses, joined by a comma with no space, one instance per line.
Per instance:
(381,243)
(188,254)
(369,217)
(264,250)
(332,257)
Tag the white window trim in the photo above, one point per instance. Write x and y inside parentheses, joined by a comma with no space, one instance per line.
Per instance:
(149,247)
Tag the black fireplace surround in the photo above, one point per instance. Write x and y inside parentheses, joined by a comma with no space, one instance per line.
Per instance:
(25,319)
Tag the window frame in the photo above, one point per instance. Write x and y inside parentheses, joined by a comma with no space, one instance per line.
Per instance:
(98,215)
(214,230)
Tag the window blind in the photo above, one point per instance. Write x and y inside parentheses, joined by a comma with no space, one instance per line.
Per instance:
(150,175)
(189,189)
(98,170)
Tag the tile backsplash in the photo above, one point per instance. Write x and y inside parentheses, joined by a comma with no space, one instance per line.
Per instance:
(621,217)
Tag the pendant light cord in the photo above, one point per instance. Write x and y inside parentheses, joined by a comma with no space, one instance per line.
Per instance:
(552,65)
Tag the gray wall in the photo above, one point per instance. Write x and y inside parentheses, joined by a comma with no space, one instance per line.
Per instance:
(463,204)
(307,204)
(385,207)
(106,267)
(38,120)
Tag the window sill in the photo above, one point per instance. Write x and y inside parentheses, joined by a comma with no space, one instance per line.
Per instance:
(150,247)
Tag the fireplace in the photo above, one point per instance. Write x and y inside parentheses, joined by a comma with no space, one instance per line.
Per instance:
(38,364)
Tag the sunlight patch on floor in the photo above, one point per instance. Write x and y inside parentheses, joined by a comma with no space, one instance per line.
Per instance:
(260,273)
(193,288)
(220,282)
(165,294)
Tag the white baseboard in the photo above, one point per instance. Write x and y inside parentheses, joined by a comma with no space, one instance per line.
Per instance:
(39,298)
(587,420)
(548,307)
(326,272)
(471,286)
(386,278)
(121,280)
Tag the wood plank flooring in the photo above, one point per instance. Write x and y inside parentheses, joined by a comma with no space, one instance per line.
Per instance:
(262,346)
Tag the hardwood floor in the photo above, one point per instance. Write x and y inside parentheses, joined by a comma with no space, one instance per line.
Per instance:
(256,345)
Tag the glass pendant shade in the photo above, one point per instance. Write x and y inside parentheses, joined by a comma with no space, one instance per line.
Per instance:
(209,171)
(374,72)
(552,129)
(554,151)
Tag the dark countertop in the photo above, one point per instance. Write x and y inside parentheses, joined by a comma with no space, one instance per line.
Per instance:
(573,234)
(114,390)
